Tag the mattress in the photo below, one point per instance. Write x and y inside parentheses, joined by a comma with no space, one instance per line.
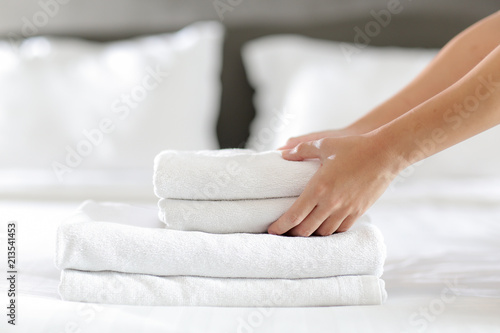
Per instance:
(442,273)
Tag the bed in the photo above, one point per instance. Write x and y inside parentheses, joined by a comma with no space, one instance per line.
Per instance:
(440,220)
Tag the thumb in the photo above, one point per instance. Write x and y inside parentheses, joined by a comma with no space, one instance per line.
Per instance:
(291,143)
(303,151)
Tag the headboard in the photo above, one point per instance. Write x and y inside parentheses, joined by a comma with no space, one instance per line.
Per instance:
(421,23)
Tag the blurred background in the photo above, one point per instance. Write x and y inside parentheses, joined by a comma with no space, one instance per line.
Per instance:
(122,18)
(92,90)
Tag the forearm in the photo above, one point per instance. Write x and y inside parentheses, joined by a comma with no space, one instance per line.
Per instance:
(455,60)
(466,108)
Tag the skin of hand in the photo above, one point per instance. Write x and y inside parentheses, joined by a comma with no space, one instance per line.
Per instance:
(354,172)
(293,142)
(455,60)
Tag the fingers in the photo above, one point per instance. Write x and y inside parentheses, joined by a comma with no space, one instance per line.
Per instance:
(300,209)
(347,223)
(325,206)
(335,224)
(318,215)
(303,151)
(306,202)
(288,145)
(293,142)
(317,222)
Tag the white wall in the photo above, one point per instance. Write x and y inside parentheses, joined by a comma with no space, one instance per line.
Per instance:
(120,17)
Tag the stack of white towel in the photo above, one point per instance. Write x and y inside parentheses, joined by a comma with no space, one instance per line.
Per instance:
(212,249)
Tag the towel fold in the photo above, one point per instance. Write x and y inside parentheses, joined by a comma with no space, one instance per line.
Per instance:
(222,216)
(124,238)
(229,174)
(139,289)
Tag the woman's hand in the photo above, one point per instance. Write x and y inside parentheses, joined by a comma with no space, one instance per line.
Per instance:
(293,142)
(354,172)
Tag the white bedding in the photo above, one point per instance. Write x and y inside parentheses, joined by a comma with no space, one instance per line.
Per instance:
(442,273)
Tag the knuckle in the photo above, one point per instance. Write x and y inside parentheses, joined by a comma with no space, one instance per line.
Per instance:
(293,219)
(300,148)
(342,210)
(320,143)
(330,201)
(321,189)
(327,143)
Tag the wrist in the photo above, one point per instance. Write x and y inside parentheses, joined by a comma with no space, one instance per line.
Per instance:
(360,127)
(387,149)
(354,129)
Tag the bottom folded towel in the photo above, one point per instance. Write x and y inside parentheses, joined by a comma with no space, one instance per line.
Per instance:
(140,289)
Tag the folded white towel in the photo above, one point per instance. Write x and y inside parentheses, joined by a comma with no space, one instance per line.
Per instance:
(223,216)
(140,289)
(229,174)
(124,238)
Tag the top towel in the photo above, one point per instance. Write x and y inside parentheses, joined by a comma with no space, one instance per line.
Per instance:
(229,174)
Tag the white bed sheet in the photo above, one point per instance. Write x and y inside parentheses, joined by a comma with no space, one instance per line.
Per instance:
(442,274)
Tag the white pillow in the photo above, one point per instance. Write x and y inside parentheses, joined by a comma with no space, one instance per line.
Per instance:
(72,107)
(305,85)
(354,85)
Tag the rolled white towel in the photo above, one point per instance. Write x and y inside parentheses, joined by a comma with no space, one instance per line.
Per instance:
(229,174)
(139,289)
(222,216)
(129,239)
